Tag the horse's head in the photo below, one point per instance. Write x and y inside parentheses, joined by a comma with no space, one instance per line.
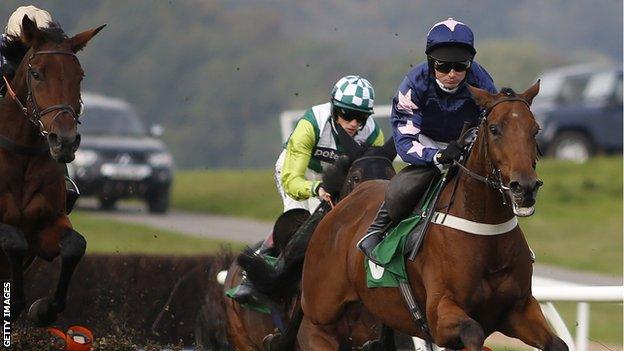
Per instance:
(508,136)
(49,78)
(358,165)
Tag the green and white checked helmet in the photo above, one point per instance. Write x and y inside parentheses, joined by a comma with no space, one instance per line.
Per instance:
(355,93)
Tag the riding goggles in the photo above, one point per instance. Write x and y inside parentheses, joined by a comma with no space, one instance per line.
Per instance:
(446,67)
(349,115)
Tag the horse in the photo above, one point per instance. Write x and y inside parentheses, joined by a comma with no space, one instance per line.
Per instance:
(38,133)
(247,328)
(466,285)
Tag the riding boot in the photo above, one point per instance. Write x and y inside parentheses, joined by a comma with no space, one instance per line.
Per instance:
(375,234)
(246,292)
(295,250)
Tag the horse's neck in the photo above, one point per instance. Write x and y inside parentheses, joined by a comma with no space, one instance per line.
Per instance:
(14,125)
(475,200)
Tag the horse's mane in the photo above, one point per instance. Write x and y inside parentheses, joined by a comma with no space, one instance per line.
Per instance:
(508,92)
(13,49)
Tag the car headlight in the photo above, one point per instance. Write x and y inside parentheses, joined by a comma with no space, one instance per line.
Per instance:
(85,158)
(161,159)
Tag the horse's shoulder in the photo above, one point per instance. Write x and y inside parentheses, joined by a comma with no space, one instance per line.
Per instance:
(372,185)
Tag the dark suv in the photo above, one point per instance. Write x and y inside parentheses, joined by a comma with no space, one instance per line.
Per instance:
(580,111)
(118,158)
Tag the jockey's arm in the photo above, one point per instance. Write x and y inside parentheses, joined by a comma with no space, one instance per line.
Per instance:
(412,146)
(298,153)
(377,137)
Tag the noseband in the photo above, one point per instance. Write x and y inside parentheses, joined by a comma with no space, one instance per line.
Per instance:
(35,116)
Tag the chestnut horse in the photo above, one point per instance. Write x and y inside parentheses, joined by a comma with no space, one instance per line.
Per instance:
(38,132)
(467,285)
(247,328)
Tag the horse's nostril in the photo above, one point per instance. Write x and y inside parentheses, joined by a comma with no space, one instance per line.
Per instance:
(54,138)
(539,183)
(515,187)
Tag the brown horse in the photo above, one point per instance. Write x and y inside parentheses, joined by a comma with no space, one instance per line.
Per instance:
(247,328)
(467,285)
(38,132)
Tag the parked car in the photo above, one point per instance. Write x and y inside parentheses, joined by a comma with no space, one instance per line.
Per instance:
(118,158)
(580,111)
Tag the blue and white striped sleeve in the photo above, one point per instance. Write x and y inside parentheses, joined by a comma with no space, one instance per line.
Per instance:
(406,118)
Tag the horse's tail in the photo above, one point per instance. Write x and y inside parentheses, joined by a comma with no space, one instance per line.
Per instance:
(274,282)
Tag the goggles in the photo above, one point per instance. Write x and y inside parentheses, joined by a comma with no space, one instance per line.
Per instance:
(446,67)
(349,115)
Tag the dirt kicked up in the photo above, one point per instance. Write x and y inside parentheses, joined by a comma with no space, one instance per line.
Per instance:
(129,302)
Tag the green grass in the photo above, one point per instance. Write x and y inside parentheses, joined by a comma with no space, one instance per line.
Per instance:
(605,320)
(245,193)
(578,219)
(109,236)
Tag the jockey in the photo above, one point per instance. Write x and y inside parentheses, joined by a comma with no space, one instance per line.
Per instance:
(314,145)
(13,29)
(428,113)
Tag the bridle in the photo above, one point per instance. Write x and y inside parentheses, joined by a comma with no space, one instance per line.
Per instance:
(35,116)
(494,179)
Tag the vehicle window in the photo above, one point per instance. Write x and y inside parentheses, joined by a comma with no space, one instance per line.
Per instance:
(572,88)
(618,91)
(601,86)
(549,88)
(115,121)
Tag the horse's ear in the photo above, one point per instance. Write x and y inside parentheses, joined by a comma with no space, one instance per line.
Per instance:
(482,97)
(389,149)
(80,40)
(530,93)
(31,35)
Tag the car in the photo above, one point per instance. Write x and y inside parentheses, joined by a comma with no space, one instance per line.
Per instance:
(579,109)
(118,158)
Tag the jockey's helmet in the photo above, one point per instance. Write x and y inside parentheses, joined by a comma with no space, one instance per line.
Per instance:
(450,41)
(42,18)
(353,93)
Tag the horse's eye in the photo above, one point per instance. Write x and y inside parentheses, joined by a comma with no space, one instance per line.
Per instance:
(35,75)
(537,131)
(355,179)
(494,129)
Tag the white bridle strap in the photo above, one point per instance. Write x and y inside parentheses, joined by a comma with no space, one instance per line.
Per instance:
(471,227)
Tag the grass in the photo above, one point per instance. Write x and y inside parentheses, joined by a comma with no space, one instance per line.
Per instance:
(109,236)
(244,193)
(578,220)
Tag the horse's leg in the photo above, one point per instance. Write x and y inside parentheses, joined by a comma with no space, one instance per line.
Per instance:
(317,337)
(453,324)
(14,245)
(72,248)
(527,323)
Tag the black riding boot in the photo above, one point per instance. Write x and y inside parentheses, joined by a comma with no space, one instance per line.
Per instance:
(375,233)
(246,292)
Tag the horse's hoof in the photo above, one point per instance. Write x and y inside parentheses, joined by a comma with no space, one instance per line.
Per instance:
(271,342)
(40,312)
(372,345)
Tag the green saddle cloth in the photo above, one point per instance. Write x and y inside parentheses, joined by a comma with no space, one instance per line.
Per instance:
(391,250)
(263,308)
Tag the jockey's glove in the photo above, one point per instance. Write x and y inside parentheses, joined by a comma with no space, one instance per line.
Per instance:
(451,153)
